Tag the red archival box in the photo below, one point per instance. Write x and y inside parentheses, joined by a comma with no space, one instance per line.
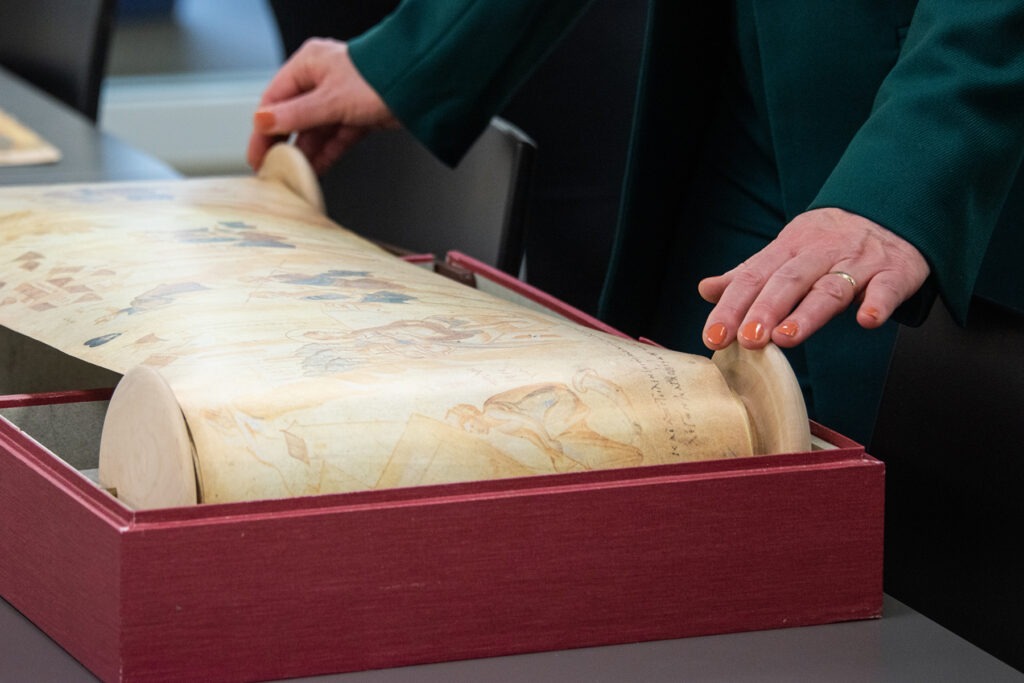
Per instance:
(343,582)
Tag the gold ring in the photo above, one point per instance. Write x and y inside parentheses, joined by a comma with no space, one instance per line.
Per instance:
(845,276)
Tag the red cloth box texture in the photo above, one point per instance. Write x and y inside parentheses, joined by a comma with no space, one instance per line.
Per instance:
(275,589)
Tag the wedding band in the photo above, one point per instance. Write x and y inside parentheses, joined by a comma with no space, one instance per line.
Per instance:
(845,276)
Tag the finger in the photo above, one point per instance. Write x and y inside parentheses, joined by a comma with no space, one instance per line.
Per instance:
(884,294)
(759,294)
(283,86)
(302,71)
(309,142)
(830,295)
(308,110)
(267,131)
(733,292)
(325,145)
(335,146)
(711,288)
(785,289)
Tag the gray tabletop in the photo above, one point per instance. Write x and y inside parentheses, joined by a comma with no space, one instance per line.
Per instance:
(87,154)
(902,646)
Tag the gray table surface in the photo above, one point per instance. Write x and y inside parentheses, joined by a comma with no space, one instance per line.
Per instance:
(87,154)
(902,646)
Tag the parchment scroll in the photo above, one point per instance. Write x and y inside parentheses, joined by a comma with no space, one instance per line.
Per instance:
(269,352)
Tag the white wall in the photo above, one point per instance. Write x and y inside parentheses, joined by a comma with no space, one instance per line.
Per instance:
(198,124)
(183,85)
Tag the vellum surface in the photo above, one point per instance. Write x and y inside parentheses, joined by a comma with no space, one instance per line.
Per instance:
(305,360)
(21,146)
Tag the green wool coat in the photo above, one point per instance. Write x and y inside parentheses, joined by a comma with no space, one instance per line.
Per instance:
(910,113)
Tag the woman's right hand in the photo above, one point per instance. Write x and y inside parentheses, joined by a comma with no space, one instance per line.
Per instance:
(320,95)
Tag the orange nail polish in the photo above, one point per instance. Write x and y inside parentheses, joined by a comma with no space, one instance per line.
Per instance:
(752,331)
(715,334)
(788,328)
(264,120)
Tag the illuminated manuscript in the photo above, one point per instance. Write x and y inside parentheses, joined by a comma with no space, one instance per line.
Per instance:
(286,356)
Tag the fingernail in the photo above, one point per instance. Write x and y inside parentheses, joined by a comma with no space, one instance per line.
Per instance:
(870,312)
(752,331)
(264,121)
(788,328)
(715,334)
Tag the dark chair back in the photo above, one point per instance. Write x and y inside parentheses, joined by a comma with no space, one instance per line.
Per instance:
(390,189)
(951,433)
(59,46)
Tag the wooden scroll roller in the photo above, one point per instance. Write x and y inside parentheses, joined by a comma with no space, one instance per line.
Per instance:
(268,353)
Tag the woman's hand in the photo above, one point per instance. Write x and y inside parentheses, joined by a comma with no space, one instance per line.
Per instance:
(320,95)
(823,261)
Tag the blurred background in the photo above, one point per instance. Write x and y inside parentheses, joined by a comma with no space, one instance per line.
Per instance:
(184,77)
(189,71)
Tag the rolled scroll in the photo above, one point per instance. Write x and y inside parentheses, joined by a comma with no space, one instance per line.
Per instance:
(269,353)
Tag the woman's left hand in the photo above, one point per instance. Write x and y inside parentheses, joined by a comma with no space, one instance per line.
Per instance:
(820,264)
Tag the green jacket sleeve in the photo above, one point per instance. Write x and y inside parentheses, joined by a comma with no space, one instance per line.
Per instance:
(936,158)
(445,67)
